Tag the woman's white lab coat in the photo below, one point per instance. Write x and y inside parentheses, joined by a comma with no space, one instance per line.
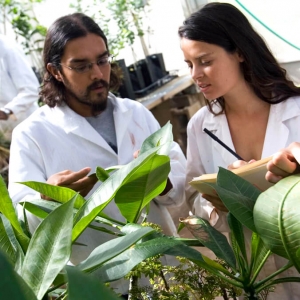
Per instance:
(204,156)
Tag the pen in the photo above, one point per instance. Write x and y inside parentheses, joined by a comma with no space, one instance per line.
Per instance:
(222,144)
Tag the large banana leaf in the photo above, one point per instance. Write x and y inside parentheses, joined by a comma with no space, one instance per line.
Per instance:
(112,248)
(142,186)
(210,238)
(277,218)
(108,189)
(238,195)
(82,286)
(12,286)
(7,208)
(49,249)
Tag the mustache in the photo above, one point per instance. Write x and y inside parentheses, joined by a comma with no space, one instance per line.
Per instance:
(97,83)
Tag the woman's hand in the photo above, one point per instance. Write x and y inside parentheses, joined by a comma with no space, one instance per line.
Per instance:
(284,163)
(239,163)
(215,201)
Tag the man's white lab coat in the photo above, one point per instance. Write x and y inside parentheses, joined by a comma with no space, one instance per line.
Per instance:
(56,139)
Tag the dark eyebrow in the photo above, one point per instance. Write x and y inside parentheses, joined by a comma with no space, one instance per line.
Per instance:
(83,60)
(201,56)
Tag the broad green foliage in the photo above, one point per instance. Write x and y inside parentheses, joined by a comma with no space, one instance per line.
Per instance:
(39,260)
(272,216)
(12,286)
(277,218)
(82,286)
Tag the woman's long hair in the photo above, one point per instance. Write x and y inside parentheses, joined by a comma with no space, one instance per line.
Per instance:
(224,25)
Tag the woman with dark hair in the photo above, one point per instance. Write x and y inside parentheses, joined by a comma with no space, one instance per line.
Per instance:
(251,105)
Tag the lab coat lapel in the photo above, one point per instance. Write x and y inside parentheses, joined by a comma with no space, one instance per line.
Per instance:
(219,127)
(122,117)
(78,125)
(277,133)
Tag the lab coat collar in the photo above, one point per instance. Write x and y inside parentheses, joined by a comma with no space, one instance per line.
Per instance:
(219,127)
(73,123)
(276,134)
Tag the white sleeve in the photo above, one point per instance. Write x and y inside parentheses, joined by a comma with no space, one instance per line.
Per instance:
(24,80)
(25,162)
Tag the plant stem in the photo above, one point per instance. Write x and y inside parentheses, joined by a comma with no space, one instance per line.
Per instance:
(224,293)
(133,283)
(164,280)
(260,267)
(260,283)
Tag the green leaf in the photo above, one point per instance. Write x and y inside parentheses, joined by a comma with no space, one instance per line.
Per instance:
(120,265)
(49,249)
(163,136)
(112,248)
(259,254)
(237,231)
(107,190)
(277,218)
(102,174)
(12,286)
(5,243)
(82,286)
(7,208)
(58,193)
(210,238)
(238,195)
(142,186)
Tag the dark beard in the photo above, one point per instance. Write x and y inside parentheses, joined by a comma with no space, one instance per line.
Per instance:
(96,107)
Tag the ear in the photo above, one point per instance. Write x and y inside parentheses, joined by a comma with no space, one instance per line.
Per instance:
(240,56)
(54,72)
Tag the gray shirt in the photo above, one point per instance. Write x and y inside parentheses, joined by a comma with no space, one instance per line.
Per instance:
(105,126)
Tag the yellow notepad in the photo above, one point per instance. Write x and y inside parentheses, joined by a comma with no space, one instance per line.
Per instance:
(254,173)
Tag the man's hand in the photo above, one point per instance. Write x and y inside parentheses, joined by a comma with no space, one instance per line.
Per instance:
(3,115)
(284,163)
(77,181)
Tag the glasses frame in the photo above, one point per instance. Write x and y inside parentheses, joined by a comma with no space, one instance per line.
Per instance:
(110,59)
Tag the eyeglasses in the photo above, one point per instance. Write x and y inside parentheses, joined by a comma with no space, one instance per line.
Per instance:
(101,62)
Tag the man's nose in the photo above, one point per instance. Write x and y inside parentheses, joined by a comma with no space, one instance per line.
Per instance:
(96,72)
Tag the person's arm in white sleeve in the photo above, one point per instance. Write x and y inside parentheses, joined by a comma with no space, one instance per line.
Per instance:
(26,164)
(24,79)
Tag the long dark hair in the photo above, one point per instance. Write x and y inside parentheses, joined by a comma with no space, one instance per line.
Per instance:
(60,32)
(224,25)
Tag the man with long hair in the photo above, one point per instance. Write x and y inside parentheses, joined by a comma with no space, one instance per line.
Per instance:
(83,126)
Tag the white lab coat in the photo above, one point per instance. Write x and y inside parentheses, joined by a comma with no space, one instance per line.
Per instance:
(56,139)
(204,156)
(18,84)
